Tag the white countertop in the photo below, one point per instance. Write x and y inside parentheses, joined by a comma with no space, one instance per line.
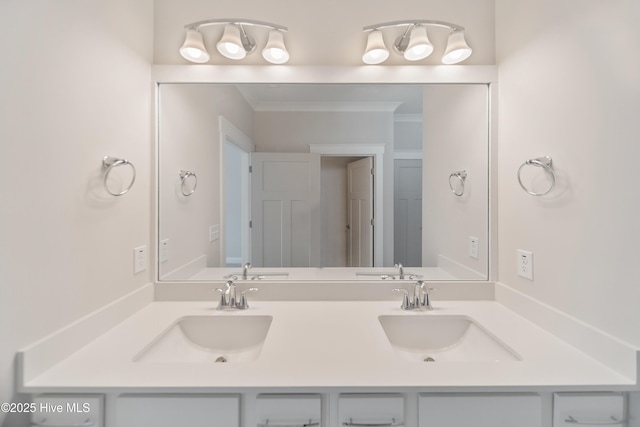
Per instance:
(317,345)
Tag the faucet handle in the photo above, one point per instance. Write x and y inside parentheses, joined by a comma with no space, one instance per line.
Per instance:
(243,298)
(223,299)
(426,296)
(405,299)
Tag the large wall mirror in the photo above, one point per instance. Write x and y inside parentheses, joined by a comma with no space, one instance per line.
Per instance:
(323,181)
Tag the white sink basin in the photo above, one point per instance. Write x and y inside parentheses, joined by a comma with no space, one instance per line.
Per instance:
(437,338)
(209,339)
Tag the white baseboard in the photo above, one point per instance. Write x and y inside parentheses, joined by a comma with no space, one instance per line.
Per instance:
(50,350)
(187,270)
(459,271)
(607,349)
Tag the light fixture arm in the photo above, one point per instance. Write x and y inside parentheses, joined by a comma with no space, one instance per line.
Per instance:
(239,22)
(403,41)
(413,23)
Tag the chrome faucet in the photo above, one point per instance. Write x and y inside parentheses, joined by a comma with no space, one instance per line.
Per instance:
(245,269)
(228,298)
(421,298)
(400,270)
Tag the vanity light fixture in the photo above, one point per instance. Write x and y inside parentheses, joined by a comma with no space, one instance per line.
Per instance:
(414,43)
(235,42)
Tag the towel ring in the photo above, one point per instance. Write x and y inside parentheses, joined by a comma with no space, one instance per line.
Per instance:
(110,163)
(184,175)
(545,163)
(461,176)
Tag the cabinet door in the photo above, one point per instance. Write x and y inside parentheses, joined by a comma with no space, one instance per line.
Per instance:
(479,410)
(178,411)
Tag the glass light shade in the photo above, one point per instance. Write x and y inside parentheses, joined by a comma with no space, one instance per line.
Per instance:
(193,47)
(457,49)
(230,45)
(375,52)
(419,46)
(275,50)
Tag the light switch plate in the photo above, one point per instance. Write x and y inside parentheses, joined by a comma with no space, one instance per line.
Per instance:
(214,233)
(474,244)
(164,250)
(525,264)
(139,259)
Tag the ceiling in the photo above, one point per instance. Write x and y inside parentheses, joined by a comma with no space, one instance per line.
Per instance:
(397,98)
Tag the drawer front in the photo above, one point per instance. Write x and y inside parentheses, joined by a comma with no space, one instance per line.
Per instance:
(289,410)
(576,409)
(382,410)
(68,410)
(178,410)
(479,410)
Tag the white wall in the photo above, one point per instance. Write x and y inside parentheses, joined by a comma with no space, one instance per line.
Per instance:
(407,134)
(190,140)
(455,139)
(570,89)
(325,32)
(75,85)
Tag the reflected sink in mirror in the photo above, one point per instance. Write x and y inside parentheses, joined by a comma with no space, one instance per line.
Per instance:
(386,275)
(209,339)
(435,338)
(277,275)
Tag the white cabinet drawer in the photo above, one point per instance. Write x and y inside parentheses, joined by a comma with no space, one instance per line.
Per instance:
(288,410)
(371,409)
(479,410)
(580,409)
(68,410)
(178,411)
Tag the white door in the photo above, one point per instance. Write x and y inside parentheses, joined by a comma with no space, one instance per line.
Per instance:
(285,210)
(407,212)
(360,213)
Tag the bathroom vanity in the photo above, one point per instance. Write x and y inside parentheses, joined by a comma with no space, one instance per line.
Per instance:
(322,346)
(330,362)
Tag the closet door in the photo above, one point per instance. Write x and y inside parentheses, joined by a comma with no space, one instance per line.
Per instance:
(360,213)
(285,210)
(407,212)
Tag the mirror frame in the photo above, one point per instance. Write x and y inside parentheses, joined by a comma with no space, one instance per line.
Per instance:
(410,74)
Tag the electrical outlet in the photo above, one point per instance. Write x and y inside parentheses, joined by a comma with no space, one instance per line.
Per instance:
(139,259)
(164,250)
(525,264)
(474,244)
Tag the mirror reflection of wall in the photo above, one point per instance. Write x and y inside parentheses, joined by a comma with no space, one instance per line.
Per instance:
(414,213)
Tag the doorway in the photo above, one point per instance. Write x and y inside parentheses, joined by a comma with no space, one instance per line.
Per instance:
(347,211)
(237,196)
